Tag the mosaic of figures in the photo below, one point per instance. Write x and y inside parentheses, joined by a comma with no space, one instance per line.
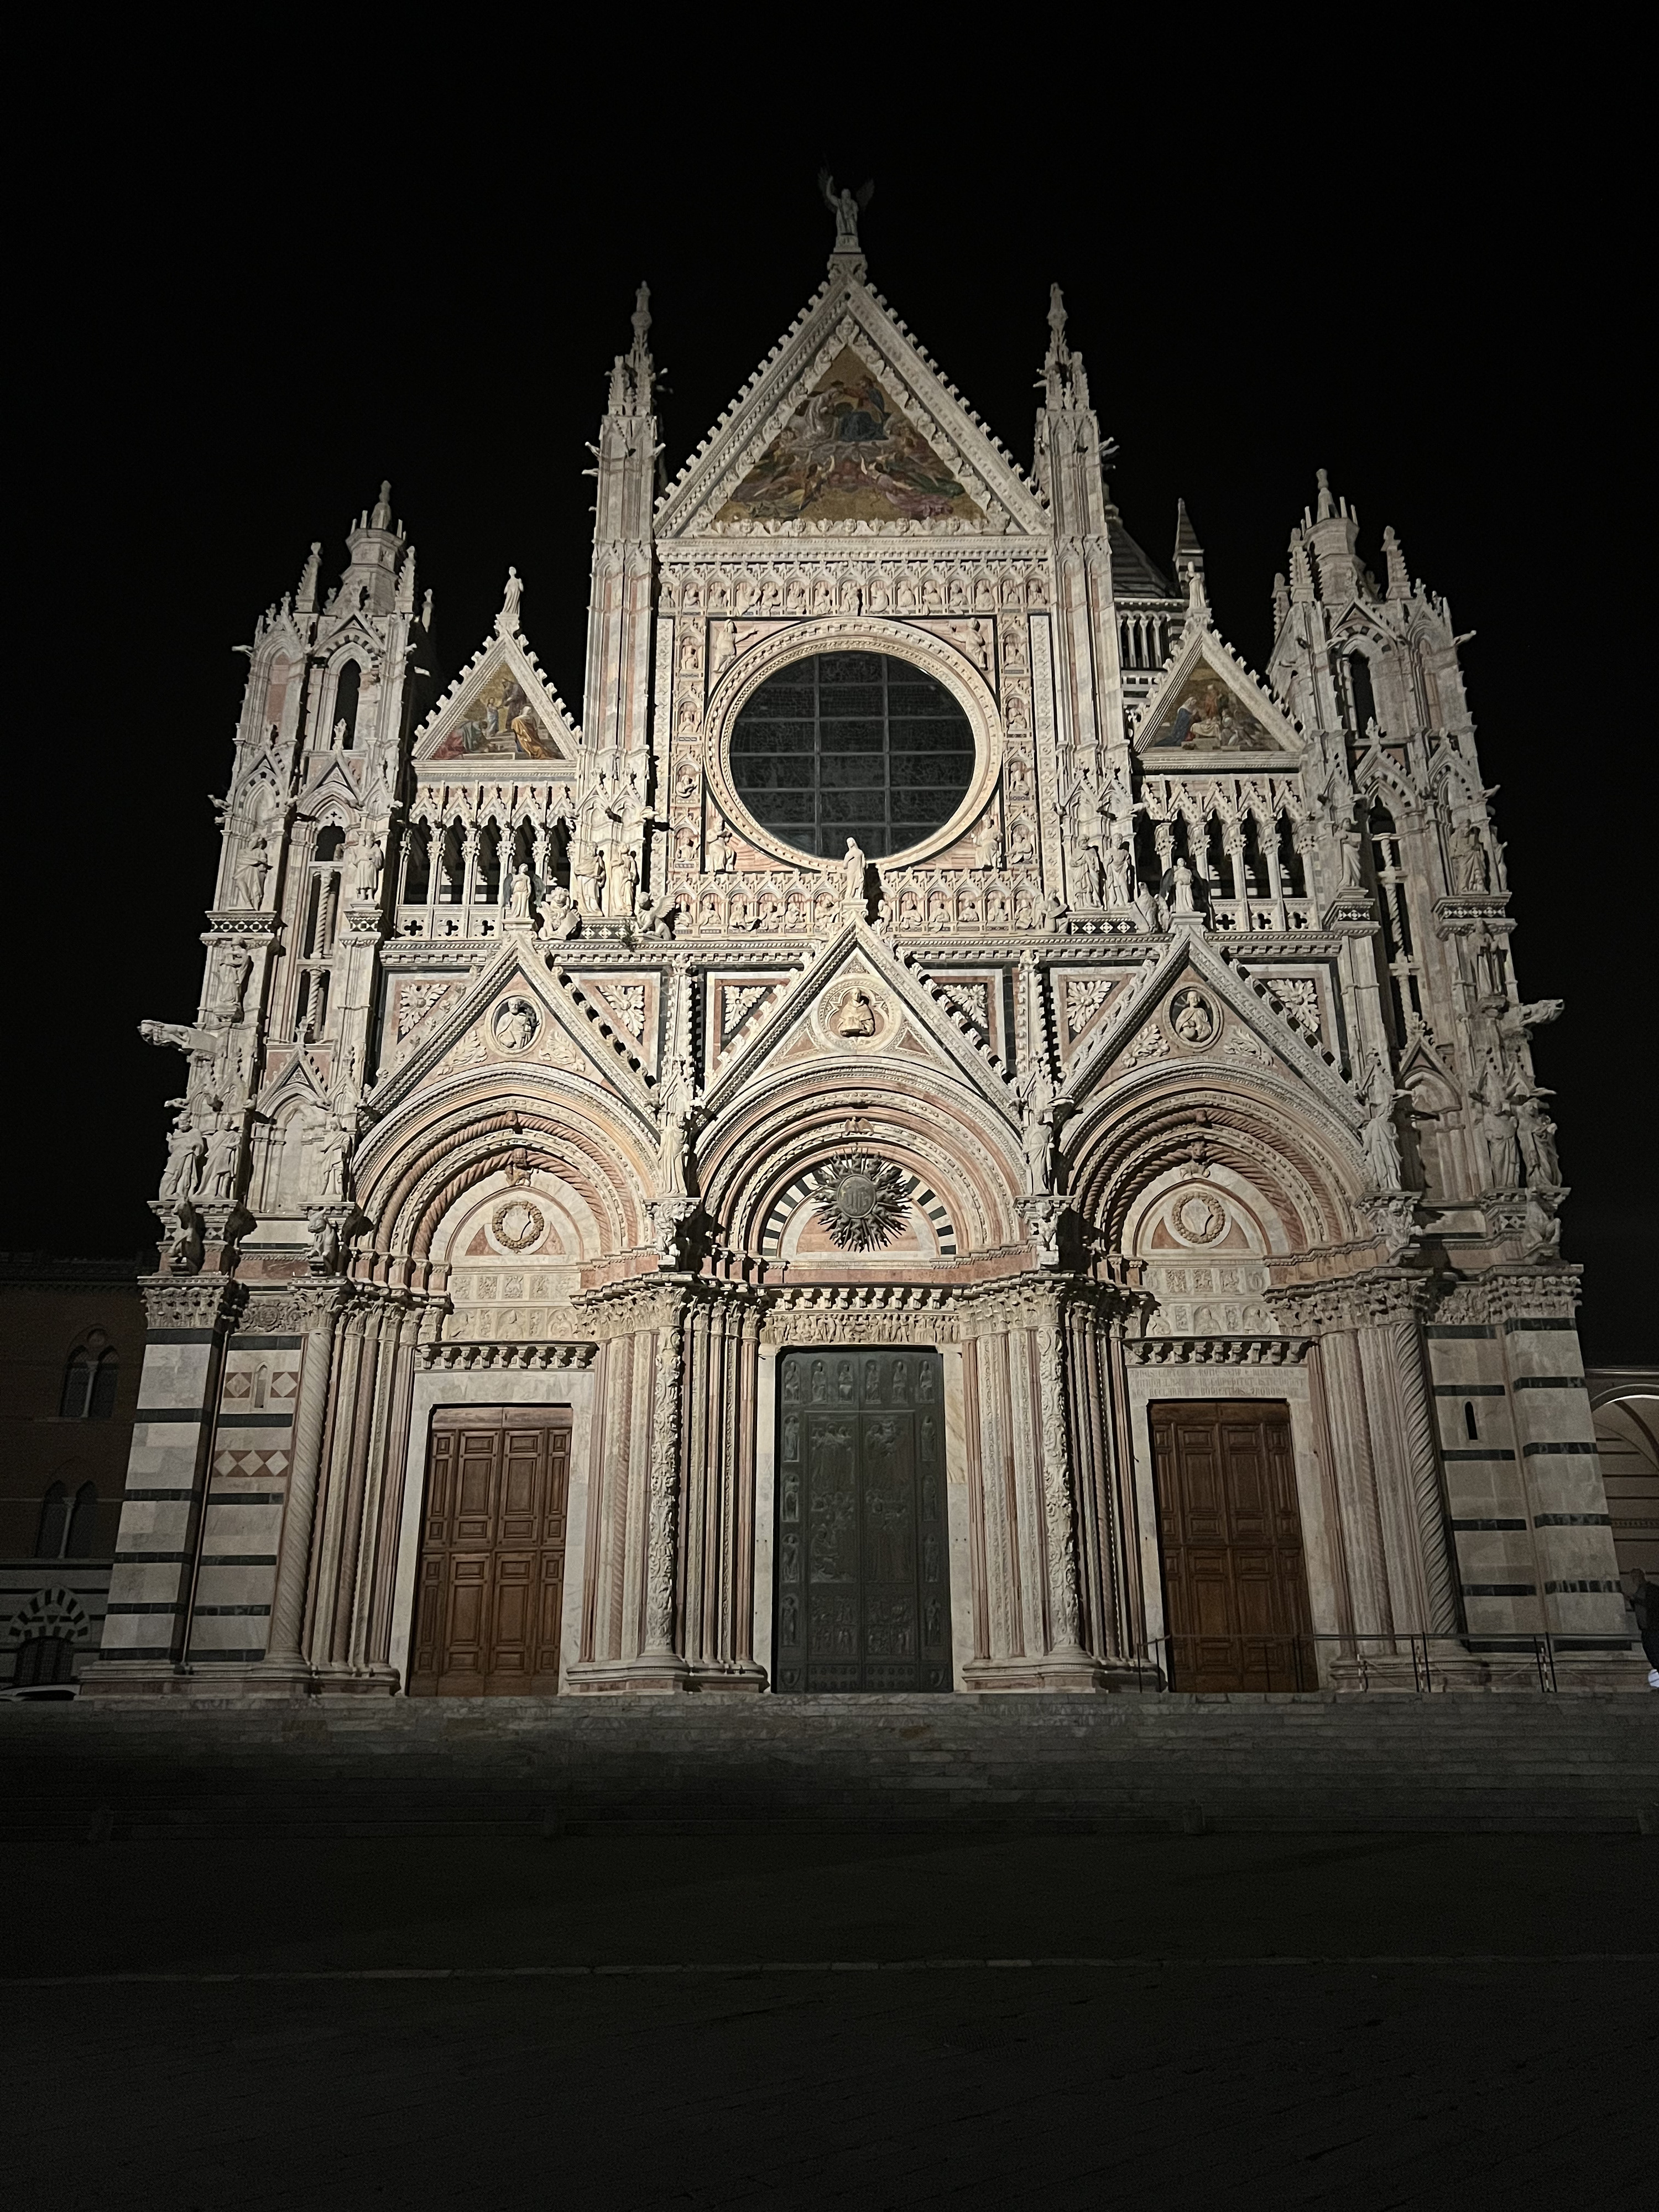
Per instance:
(499,722)
(848,453)
(1206,716)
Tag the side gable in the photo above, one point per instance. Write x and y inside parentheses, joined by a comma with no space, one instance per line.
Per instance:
(501,707)
(1190,1005)
(515,1015)
(1209,710)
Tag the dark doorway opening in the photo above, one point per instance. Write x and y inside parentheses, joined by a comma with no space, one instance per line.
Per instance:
(491,1578)
(862,1558)
(1236,1607)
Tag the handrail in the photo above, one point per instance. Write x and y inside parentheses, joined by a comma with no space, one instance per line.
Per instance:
(1377,1658)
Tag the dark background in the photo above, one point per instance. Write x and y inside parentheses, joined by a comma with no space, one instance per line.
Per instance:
(232,330)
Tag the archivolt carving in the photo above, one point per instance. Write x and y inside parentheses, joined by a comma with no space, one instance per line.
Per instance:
(1116,1154)
(749,1162)
(418,1187)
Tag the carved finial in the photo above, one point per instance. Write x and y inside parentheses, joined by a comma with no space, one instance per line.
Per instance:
(845,207)
(642,320)
(1399,583)
(304,599)
(1057,348)
(1326,507)
(381,518)
(507,621)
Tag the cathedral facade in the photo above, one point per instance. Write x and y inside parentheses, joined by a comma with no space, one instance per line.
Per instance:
(945,1135)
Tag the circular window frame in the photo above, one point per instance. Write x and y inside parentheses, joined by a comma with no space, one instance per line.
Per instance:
(853,633)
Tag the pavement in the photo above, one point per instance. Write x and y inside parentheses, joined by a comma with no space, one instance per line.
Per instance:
(691,2021)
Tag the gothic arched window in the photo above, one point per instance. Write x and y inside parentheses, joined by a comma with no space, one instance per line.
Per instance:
(1361,692)
(348,685)
(53,1524)
(68,1529)
(89,1392)
(852,745)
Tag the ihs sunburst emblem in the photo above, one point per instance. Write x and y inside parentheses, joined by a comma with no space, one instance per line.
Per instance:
(860,1201)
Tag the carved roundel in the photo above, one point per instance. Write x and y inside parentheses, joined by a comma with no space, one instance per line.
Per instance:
(516,1225)
(1193,1019)
(1197,1217)
(515,1025)
(860,1201)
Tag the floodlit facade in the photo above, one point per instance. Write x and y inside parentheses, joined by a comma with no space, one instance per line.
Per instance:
(945,1135)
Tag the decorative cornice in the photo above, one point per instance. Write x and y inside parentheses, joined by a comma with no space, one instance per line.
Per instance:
(190,1301)
(452,1357)
(1216,1351)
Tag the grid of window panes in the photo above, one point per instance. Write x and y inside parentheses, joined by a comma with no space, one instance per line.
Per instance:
(852,745)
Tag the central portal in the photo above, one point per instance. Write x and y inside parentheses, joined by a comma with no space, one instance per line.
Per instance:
(863,1553)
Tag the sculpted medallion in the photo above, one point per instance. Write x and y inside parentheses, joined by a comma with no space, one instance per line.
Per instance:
(516,1025)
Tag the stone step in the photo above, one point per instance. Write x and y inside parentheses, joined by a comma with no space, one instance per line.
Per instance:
(419,1767)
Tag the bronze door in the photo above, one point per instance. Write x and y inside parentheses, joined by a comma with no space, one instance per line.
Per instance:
(492,1553)
(862,1564)
(1235,1585)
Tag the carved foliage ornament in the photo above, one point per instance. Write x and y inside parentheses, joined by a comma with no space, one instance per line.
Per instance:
(860,1201)
(517,1225)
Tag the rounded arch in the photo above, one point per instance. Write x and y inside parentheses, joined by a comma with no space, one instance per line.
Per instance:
(416,1169)
(1303,1171)
(759,1155)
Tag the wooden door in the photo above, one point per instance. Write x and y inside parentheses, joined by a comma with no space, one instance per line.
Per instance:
(1235,1585)
(862,1560)
(491,1574)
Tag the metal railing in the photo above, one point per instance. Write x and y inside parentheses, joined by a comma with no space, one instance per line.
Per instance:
(1399,1659)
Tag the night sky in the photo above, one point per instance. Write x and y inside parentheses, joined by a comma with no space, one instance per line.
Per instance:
(234,336)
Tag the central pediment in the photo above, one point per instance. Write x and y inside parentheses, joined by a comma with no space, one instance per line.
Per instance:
(849,453)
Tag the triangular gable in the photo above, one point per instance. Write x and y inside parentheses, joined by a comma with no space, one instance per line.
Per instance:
(849,453)
(1192,1005)
(502,708)
(849,426)
(300,1077)
(857,998)
(1207,710)
(333,787)
(517,1016)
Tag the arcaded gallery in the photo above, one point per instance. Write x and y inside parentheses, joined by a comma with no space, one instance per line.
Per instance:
(934,1131)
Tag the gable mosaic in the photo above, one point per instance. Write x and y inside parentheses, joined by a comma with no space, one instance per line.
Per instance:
(1206,715)
(847,454)
(499,722)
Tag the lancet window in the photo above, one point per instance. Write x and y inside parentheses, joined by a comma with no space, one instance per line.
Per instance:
(89,1392)
(1398,951)
(348,688)
(319,923)
(1361,694)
